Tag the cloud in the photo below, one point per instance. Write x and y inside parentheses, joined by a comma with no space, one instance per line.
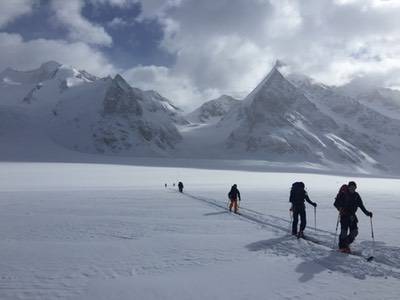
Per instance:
(9,10)
(24,55)
(216,47)
(117,22)
(69,14)
(173,86)
(117,3)
(228,46)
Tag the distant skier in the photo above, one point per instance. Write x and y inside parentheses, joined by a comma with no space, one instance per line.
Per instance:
(234,197)
(347,202)
(165,185)
(297,197)
(173,184)
(180,187)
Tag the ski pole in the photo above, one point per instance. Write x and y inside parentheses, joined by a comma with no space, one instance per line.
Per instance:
(372,230)
(315,218)
(291,218)
(373,242)
(337,225)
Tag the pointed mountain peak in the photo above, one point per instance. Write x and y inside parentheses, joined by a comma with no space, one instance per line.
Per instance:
(278,64)
(273,77)
(121,82)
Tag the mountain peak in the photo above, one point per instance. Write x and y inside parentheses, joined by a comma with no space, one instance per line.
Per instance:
(274,77)
(279,63)
(121,82)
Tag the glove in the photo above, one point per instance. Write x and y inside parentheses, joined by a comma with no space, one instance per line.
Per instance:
(315,204)
(369,214)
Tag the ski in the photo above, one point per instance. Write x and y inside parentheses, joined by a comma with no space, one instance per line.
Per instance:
(354,253)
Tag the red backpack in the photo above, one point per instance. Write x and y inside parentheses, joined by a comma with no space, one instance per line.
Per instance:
(343,189)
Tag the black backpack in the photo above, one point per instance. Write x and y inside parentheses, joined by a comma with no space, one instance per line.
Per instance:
(297,193)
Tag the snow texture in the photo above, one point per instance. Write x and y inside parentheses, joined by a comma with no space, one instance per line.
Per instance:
(96,231)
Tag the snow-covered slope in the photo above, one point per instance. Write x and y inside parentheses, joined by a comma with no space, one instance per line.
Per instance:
(277,121)
(371,128)
(56,109)
(113,232)
(384,100)
(213,110)
(89,114)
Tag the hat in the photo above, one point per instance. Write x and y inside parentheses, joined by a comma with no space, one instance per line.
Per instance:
(352,183)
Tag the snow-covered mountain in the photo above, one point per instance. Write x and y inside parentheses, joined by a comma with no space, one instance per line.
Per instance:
(288,120)
(277,121)
(384,100)
(213,110)
(370,128)
(86,113)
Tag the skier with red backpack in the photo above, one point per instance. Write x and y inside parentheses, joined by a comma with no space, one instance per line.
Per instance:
(298,196)
(347,202)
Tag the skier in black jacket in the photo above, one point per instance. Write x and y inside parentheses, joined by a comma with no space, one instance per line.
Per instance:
(347,202)
(297,197)
(234,195)
(180,187)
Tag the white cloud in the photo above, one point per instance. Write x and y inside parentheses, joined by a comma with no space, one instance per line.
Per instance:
(80,29)
(117,22)
(24,55)
(178,88)
(228,46)
(156,8)
(11,9)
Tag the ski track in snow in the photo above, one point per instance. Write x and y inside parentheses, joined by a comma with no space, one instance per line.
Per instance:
(319,247)
(107,232)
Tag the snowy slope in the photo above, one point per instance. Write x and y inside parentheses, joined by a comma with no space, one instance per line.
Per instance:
(109,116)
(58,111)
(384,100)
(114,232)
(88,114)
(277,121)
(368,127)
(213,110)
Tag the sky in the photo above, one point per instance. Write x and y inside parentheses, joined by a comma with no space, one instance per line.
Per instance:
(192,51)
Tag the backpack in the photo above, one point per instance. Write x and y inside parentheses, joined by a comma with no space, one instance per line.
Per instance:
(343,189)
(297,193)
(232,194)
(298,186)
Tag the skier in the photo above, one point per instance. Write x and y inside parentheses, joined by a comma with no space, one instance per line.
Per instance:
(297,197)
(347,202)
(233,196)
(165,185)
(180,186)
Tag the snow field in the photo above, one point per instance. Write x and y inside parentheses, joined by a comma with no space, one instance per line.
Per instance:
(90,231)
